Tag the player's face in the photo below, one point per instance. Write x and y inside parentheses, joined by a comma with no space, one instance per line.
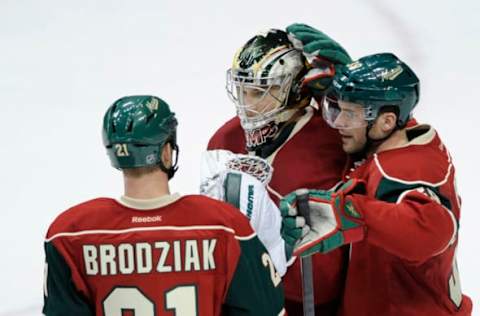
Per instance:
(352,127)
(261,100)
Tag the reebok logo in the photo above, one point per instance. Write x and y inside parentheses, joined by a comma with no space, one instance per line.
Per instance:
(146,219)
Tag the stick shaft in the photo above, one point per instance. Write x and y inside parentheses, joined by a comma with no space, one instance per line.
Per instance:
(306,263)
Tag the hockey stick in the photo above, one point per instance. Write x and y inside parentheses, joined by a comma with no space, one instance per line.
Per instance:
(306,263)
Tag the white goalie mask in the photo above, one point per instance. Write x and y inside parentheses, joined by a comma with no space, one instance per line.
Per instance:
(264,78)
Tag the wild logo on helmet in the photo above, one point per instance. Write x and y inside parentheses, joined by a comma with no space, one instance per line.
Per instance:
(392,74)
(153,104)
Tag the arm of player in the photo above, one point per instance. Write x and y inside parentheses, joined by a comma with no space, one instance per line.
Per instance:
(60,295)
(256,287)
(415,228)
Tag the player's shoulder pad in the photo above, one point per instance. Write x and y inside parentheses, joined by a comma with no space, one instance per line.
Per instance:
(80,216)
(424,160)
(215,212)
(229,136)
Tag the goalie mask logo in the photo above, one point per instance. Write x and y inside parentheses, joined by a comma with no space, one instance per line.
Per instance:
(260,47)
(259,136)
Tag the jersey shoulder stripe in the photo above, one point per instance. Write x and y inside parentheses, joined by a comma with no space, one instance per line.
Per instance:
(155,228)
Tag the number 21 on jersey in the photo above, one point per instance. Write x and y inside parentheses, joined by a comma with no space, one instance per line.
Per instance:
(181,299)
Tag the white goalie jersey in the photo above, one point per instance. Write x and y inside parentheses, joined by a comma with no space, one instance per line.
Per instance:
(242,181)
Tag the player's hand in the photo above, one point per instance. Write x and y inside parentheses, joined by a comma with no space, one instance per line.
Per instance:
(322,53)
(334,221)
(316,44)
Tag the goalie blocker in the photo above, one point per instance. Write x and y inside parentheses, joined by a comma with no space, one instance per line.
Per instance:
(241,180)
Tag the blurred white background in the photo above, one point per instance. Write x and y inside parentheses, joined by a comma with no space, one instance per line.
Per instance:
(63,62)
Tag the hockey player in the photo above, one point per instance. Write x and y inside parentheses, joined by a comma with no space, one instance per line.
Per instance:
(151,252)
(277,120)
(398,204)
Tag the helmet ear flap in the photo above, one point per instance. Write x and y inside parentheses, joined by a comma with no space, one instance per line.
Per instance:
(174,167)
(170,171)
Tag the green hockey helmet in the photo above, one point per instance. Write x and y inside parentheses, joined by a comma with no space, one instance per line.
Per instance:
(135,129)
(375,82)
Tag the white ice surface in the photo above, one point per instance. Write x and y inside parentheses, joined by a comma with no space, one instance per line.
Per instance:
(63,62)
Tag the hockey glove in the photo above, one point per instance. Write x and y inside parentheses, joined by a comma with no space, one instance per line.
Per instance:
(334,221)
(315,43)
(322,53)
(247,191)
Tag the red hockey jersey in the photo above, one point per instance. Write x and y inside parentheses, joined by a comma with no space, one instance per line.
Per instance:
(312,157)
(406,263)
(193,256)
